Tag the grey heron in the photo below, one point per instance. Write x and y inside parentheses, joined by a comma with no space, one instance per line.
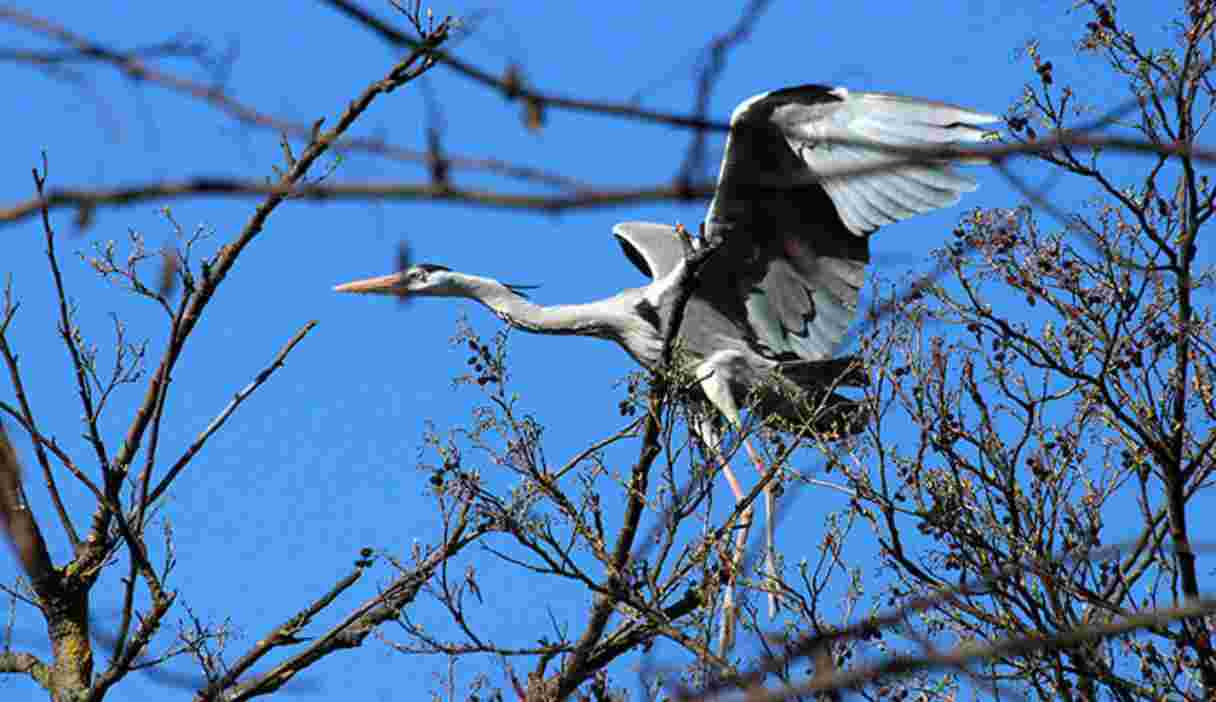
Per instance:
(808,174)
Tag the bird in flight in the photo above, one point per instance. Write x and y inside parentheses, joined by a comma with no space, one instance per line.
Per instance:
(808,174)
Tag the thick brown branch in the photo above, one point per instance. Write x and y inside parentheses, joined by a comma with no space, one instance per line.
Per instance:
(27,663)
(577,667)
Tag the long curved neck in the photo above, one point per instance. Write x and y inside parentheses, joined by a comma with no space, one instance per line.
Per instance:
(592,319)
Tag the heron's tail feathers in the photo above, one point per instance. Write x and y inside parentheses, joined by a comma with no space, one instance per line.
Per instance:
(809,400)
(846,371)
(839,415)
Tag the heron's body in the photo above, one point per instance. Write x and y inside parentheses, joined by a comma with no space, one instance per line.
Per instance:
(807,175)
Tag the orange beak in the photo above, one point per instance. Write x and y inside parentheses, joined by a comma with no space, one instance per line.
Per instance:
(392,284)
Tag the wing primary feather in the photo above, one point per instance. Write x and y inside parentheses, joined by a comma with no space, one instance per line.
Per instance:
(787,206)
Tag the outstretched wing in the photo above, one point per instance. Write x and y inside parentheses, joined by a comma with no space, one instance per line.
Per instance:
(654,248)
(796,223)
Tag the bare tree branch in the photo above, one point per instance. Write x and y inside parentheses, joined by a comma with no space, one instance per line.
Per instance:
(27,416)
(283,635)
(224,414)
(711,72)
(511,86)
(88,200)
(27,663)
(132,65)
(20,527)
(963,655)
(357,625)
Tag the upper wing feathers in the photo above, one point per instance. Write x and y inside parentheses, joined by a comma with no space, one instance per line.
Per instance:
(858,148)
(808,173)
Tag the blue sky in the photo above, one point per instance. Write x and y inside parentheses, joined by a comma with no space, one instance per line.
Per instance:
(320,462)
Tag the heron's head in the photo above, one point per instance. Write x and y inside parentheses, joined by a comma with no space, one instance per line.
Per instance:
(416,280)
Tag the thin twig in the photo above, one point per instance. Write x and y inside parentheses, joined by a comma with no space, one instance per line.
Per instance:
(27,416)
(966,654)
(241,395)
(512,88)
(715,64)
(68,332)
(130,64)
(284,634)
(354,628)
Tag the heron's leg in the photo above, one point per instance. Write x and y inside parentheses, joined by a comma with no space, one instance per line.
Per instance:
(726,634)
(770,554)
(726,638)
